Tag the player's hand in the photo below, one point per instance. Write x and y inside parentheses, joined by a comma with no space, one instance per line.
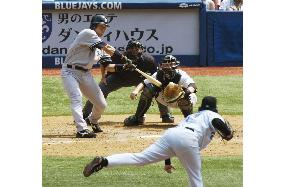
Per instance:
(168,168)
(129,66)
(103,80)
(133,95)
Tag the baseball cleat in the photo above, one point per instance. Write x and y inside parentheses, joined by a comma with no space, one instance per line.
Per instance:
(168,120)
(134,121)
(94,166)
(85,134)
(96,128)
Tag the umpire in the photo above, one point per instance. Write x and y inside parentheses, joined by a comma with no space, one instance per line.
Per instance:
(118,76)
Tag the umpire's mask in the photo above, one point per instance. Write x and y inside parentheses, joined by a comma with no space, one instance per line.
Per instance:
(134,49)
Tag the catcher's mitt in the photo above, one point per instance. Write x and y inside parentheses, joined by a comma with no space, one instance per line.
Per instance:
(228,133)
(173,92)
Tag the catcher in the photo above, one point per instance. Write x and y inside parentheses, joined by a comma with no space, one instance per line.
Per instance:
(177,91)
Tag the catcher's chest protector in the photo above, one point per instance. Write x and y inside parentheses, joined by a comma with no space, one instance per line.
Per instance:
(165,81)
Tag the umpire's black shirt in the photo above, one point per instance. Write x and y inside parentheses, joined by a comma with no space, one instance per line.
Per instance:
(145,63)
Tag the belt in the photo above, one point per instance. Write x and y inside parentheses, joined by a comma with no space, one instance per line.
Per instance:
(190,129)
(77,67)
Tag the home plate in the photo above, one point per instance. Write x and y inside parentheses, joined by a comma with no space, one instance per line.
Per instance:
(150,136)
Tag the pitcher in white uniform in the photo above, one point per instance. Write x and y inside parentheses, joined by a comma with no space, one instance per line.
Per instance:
(84,52)
(184,141)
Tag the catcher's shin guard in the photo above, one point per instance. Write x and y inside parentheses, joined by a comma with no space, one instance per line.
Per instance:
(186,112)
(143,105)
(185,106)
(165,114)
(144,102)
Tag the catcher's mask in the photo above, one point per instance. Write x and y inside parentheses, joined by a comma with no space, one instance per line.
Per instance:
(209,103)
(98,19)
(134,49)
(168,66)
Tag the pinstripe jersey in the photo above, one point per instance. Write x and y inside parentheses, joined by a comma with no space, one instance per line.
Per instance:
(83,51)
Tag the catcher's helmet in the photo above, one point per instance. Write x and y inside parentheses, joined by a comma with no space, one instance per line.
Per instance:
(209,103)
(170,59)
(168,66)
(98,19)
(134,43)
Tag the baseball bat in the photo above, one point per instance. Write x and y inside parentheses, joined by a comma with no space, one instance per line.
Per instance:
(150,78)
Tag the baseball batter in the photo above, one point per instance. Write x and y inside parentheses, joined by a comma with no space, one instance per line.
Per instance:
(166,73)
(184,141)
(117,77)
(84,52)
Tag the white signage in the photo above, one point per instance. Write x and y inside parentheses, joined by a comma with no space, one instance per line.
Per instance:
(160,31)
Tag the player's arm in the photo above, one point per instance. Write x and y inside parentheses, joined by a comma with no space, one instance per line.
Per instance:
(135,92)
(95,42)
(116,67)
(103,74)
(223,128)
(187,83)
(192,88)
(110,50)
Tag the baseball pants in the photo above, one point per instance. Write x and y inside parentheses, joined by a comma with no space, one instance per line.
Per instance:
(179,142)
(77,82)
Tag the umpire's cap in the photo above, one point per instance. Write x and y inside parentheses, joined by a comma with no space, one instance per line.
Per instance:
(134,43)
(209,103)
(98,19)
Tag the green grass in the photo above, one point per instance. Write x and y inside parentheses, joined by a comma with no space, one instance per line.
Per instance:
(228,90)
(67,171)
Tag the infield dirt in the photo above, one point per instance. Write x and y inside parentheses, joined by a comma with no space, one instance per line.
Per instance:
(59,137)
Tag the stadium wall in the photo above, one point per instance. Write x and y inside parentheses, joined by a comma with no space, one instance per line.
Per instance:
(173,27)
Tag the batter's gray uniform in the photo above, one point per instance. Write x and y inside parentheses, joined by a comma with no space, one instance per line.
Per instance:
(77,77)
(185,141)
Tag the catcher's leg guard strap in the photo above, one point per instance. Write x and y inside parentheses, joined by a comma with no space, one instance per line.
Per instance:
(144,102)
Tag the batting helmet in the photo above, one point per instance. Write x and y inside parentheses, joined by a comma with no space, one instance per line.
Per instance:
(209,103)
(134,43)
(98,19)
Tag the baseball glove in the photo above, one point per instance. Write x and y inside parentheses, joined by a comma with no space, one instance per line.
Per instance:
(173,92)
(229,132)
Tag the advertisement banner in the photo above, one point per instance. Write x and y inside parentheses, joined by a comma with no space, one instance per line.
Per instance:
(161,31)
